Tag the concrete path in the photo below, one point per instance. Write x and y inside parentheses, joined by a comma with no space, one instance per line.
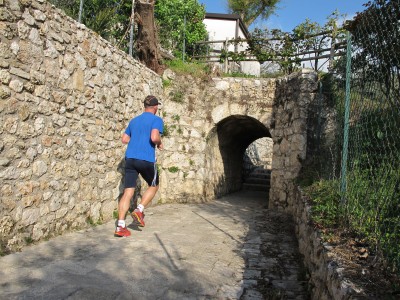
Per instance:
(231,248)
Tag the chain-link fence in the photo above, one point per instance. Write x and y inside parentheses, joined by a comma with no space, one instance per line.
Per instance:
(365,96)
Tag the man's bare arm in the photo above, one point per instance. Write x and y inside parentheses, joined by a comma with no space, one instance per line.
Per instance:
(125,138)
(156,138)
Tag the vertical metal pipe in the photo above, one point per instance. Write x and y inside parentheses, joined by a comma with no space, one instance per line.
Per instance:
(236,35)
(132,30)
(226,56)
(80,11)
(343,185)
(184,37)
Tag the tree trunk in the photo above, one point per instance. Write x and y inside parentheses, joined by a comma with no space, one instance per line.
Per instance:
(147,39)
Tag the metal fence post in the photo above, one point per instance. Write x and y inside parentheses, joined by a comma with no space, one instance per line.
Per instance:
(184,38)
(132,30)
(80,11)
(226,56)
(343,184)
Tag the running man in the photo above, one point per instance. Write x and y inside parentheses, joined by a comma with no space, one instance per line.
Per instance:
(142,135)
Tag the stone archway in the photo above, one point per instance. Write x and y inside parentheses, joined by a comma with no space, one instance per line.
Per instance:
(212,122)
(226,145)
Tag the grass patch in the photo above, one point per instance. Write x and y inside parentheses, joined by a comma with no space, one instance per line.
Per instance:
(325,200)
(238,74)
(167,130)
(166,83)
(91,222)
(273,75)
(199,70)
(28,240)
(173,169)
(177,96)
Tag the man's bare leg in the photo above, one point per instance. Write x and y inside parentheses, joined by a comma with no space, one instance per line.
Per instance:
(123,206)
(148,195)
(124,203)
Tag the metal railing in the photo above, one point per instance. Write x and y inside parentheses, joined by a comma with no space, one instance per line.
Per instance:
(236,50)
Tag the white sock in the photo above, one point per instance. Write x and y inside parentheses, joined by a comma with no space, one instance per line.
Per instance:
(121,223)
(140,207)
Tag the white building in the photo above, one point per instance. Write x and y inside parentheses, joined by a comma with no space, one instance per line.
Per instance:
(222,28)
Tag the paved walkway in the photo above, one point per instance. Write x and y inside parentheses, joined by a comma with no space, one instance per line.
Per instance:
(231,248)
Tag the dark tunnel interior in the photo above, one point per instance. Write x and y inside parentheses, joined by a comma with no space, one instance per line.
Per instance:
(235,134)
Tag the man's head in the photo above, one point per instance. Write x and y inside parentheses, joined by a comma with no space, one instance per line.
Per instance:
(151,101)
(151,104)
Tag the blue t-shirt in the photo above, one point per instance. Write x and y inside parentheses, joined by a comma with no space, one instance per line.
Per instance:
(139,129)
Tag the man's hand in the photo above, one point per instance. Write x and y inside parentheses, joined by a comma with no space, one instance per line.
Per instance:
(160,146)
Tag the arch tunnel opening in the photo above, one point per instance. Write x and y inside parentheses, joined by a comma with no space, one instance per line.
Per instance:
(231,138)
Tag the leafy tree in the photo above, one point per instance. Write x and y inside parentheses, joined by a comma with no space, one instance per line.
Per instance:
(109,18)
(312,37)
(173,31)
(375,38)
(308,38)
(250,10)
(274,46)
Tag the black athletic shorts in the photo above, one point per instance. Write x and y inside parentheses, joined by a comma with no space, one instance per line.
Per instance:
(134,167)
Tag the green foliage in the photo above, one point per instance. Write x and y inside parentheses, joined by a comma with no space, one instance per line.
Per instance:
(285,48)
(173,30)
(375,37)
(238,74)
(275,46)
(188,68)
(177,96)
(90,221)
(166,83)
(373,208)
(250,10)
(173,169)
(325,198)
(235,56)
(109,18)
(167,130)
(70,7)
(28,240)
(370,205)
(272,75)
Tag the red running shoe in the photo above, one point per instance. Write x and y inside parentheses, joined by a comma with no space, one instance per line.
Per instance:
(138,216)
(122,232)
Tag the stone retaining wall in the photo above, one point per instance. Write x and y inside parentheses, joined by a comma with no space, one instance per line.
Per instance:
(66,95)
(327,279)
(289,129)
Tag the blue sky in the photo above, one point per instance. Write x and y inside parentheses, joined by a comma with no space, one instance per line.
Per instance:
(291,13)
